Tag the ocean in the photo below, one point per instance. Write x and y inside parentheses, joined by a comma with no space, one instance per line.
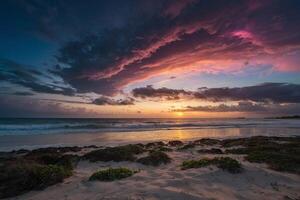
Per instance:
(33,133)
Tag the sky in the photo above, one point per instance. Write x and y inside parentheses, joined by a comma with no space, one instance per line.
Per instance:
(133,58)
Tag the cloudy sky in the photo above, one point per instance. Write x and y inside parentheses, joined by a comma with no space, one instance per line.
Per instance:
(134,58)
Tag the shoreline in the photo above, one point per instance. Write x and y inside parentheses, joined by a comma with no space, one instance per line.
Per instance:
(15,142)
(259,177)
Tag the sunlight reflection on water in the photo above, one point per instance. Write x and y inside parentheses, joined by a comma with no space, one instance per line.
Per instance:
(114,138)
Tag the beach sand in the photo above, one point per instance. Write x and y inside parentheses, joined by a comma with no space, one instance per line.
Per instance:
(168,181)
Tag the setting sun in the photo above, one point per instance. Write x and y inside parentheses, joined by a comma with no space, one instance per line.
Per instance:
(179,114)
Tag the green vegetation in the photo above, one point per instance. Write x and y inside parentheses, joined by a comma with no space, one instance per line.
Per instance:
(155,158)
(279,153)
(22,171)
(224,163)
(165,149)
(211,151)
(257,141)
(112,174)
(121,153)
(187,146)
(207,141)
(228,164)
(57,150)
(157,146)
(276,160)
(237,151)
(19,176)
(66,161)
(196,163)
(247,142)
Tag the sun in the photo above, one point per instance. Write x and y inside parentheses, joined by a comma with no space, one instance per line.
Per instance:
(179,114)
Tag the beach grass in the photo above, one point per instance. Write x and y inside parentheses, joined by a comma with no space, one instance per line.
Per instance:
(20,176)
(121,153)
(210,151)
(112,174)
(225,163)
(155,158)
(280,154)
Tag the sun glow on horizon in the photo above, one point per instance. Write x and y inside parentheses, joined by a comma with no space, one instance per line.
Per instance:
(179,114)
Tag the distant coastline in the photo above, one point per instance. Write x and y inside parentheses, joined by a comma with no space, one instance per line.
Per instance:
(287,117)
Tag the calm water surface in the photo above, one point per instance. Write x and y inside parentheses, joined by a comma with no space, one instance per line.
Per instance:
(34,133)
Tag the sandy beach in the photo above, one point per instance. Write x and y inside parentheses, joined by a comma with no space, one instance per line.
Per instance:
(169,181)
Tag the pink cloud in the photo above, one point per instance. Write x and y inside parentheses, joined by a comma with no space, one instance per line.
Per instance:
(248,36)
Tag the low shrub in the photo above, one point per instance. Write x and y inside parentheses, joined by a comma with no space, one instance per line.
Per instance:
(56,150)
(228,164)
(164,149)
(187,146)
(237,151)
(196,163)
(211,151)
(224,163)
(18,177)
(112,174)
(155,158)
(121,153)
(207,141)
(154,144)
(279,153)
(276,160)
(66,161)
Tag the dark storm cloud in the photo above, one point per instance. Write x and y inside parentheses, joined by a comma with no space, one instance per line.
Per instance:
(15,73)
(273,92)
(248,107)
(164,38)
(240,107)
(166,93)
(112,102)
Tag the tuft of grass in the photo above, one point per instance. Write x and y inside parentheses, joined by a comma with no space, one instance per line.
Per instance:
(276,160)
(164,149)
(66,161)
(187,146)
(257,141)
(20,176)
(237,151)
(157,146)
(112,174)
(121,153)
(155,158)
(224,163)
(279,153)
(228,164)
(196,163)
(50,150)
(207,141)
(46,175)
(211,151)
